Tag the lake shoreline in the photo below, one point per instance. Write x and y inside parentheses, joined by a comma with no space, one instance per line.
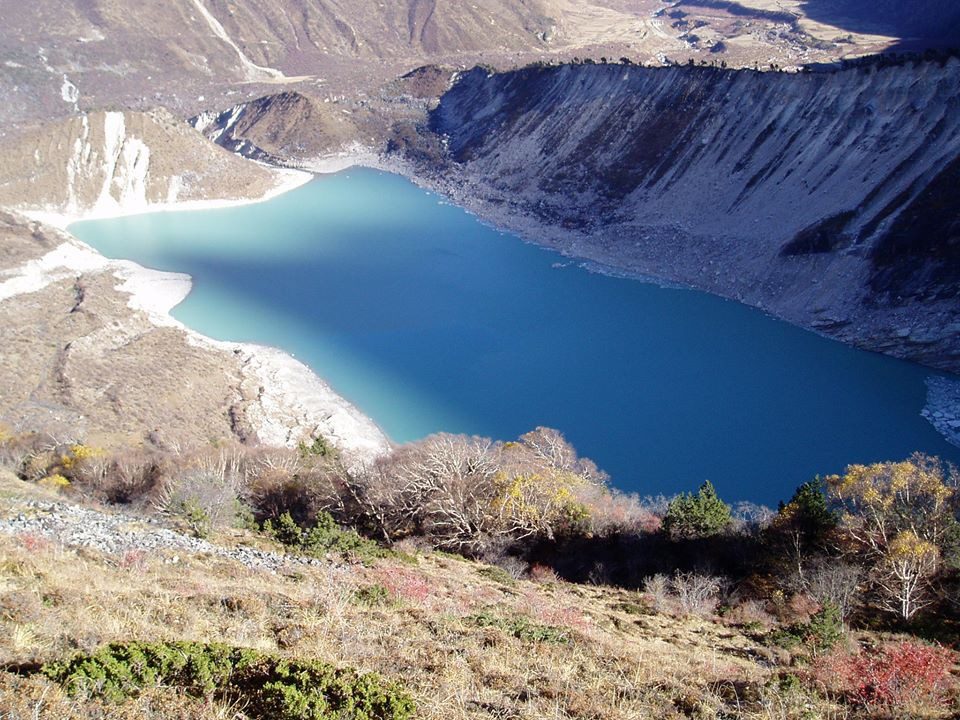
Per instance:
(328,230)
(291,389)
(288,179)
(293,401)
(942,407)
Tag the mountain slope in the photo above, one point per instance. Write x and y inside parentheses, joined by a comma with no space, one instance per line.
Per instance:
(467,640)
(790,192)
(105,162)
(193,55)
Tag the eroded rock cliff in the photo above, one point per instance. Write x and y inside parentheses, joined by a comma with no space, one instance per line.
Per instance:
(109,162)
(828,199)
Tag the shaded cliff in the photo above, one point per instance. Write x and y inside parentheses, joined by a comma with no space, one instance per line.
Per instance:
(828,199)
(918,24)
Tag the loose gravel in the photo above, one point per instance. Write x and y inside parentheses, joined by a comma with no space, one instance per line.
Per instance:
(119,534)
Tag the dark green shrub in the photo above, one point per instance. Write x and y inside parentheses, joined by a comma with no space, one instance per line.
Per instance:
(825,629)
(819,635)
(267,685)
(197,518)
(697,516)
(522,628)
(320,447)
(245,518)
(497,574)
(285,531)
(324,537)
(373,595)
(633,608)
(803,526)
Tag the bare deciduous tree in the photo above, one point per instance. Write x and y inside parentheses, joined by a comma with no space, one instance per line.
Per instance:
(552,448)
(835,582)
(442,486)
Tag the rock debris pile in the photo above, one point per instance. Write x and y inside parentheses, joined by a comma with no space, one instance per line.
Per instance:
(118,534)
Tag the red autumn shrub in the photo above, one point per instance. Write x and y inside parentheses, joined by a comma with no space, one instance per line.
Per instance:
(542,573)
(560,616)
(133,560)
(406,584)
(33,542)
(904,674)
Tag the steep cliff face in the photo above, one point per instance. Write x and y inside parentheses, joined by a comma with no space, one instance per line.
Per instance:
(828,199)
(108,162)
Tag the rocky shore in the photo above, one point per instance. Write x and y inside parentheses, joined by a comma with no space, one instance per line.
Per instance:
(264,394)
(943,407)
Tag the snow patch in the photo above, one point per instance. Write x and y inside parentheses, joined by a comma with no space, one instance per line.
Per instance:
(114,132)
(214,125)
(235,113)
(204,120)
(133,173)
(77,162)
(125,170)
(69,92)
(286,180)
(94,36)
(173,191)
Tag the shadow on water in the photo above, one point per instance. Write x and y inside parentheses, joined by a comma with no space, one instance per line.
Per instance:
(430,321)
(917,25)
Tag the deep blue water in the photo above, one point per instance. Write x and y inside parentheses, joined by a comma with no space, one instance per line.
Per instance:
(428,320)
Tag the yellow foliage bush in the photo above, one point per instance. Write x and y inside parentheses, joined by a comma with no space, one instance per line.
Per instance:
(56,482)
(77,454)
(902,515)
(908,546)
(540,502)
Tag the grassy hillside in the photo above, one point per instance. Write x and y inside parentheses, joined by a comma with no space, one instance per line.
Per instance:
(113,610)
(467,640)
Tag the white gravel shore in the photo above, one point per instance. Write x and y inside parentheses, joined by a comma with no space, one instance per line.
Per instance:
(293,402)
(287,180)
(943,407)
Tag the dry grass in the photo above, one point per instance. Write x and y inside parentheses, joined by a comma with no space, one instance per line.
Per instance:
(618,663)
(56,601)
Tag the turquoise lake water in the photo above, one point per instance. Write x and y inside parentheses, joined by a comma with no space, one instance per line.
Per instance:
(429,320)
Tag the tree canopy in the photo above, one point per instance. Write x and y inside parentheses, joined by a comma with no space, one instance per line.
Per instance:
(696,516)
